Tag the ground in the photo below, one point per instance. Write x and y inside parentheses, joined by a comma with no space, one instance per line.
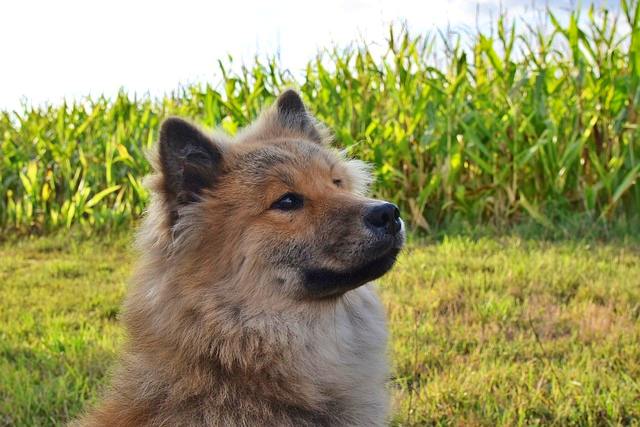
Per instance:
(495,331)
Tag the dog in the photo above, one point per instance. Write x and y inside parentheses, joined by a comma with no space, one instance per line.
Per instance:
(252,303)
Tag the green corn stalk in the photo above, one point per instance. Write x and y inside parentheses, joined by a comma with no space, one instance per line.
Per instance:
(526,122)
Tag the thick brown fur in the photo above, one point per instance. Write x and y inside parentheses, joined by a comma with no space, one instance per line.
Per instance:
(220,329)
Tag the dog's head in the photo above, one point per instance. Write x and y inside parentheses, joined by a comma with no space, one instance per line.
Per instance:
(275,211)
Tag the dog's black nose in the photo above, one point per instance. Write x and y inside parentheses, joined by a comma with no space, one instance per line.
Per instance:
(383,217)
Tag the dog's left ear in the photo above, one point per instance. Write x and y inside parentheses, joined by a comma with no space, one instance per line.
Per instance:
(292,115)
(190,161)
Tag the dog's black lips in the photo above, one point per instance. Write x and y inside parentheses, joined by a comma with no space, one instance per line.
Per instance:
(323,282)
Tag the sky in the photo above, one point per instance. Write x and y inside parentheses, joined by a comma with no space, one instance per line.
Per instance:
(68,49)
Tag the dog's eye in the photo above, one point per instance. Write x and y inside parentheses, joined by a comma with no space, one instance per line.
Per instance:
(288,202)
(337,182)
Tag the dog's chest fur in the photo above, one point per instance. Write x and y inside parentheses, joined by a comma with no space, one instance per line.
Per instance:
(329,369)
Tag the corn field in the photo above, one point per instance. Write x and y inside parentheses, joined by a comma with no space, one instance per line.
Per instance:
(521,123)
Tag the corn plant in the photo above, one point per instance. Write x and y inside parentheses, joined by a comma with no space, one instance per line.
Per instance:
(523,123)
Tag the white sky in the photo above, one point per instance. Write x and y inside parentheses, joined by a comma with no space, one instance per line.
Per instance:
(51,50)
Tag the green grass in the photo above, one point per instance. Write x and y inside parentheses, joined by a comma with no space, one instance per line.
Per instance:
(58,330)
(495,331)
(524,122)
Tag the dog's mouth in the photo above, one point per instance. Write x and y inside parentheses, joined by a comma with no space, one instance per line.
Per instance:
(324,282)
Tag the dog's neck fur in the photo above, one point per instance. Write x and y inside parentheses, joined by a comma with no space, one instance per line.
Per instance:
(275,356)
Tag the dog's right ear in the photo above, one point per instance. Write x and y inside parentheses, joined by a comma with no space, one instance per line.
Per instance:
(292,115)
(189,159)
(287,118)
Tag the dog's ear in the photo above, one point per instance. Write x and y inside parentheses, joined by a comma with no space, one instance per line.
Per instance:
(292,115)
(190,161)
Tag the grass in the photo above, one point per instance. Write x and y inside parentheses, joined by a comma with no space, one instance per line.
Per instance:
(58,330)
(521,122)
(492,331)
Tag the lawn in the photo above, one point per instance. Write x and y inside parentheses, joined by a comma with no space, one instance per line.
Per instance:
(490,331)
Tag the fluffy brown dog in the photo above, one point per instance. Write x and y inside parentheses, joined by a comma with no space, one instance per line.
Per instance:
(251,304)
